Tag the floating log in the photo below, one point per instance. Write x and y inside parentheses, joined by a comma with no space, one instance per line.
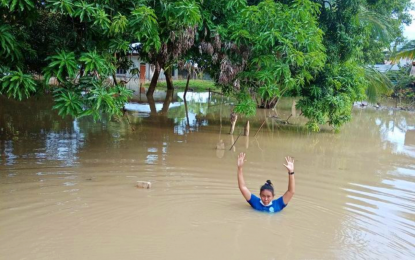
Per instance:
(143,184)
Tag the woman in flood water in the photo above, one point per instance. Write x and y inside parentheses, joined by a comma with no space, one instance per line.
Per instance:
(266,201)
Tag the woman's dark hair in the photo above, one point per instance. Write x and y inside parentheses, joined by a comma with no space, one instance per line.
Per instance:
(267,186)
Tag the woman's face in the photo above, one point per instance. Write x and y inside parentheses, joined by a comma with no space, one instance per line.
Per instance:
(266,196)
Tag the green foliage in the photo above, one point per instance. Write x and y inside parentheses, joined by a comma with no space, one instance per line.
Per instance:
(101,19)
(378,84)
(62,66)
(18,5)
(182,14)
(68,102)
(285,47)
(235,5)
(376,24)
(119,24)
(9,46)
(168,31)
(18,85)
(119,45)
(4,70)
(84,10)
(317,50)
(403,82)
(107,99)
(99,97)
(103,98)
(76,40)
(61,6)
(80,43)
(143,23)
(245,104)
(406,52)
(355,33)
(95,63)
(314,49)
(331,101)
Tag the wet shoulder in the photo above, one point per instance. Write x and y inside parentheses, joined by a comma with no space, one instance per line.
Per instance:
(278,204)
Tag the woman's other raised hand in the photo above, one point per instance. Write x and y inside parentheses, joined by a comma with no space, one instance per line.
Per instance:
(241,160)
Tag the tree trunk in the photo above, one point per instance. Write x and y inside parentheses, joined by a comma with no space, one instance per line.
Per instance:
(294,109)
(114,75)
(152,104)
(233,143)
(154,80)
(115,78)
(187,86)
(81,71)
(167,101)
(187,113)
(234,117)
(169,78)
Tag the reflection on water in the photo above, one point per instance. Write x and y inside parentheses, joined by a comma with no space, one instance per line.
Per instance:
(67,186)
(31,134)
(398,133)
(62,147)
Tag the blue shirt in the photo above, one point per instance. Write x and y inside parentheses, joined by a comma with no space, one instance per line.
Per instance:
(277,205)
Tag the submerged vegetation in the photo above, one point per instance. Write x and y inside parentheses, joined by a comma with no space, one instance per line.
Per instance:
(257,51)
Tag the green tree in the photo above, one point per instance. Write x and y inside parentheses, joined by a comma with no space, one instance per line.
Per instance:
(262,51)
(174,33)
(403,83)
(81,43)
(69,39)
(264,63)
(283,48)
(355,35)
(256,50)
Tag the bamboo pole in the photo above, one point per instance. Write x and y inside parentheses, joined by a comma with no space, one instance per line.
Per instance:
(235,140)
(260,127)
(247,127)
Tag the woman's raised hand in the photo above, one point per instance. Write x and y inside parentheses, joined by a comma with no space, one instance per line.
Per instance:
(290,164)
(241,160)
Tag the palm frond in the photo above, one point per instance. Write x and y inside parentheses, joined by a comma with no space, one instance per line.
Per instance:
(379,25)
(406,52)
(377,84)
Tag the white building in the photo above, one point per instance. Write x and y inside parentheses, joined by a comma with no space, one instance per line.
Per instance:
(389,66)
(146,71)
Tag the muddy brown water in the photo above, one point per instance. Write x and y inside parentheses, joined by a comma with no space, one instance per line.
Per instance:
(67,186)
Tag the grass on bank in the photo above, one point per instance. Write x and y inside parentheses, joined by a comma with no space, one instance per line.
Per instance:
(196,85)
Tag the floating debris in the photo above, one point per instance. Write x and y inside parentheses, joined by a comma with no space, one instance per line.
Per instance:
(144,184)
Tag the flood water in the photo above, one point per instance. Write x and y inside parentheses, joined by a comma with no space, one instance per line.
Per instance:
(68,186)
